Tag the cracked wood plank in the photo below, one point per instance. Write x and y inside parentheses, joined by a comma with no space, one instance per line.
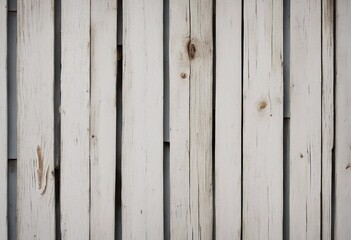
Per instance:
(228,118)
(343,121)
(3,119)
(75,110)
(191,119)
(263,120)
(142,123)
(327,114)
(305,122)
(35,120)
(103,118)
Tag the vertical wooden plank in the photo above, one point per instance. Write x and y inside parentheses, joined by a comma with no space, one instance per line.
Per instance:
(343,121)
(3,119)
(179,90)
(142,130)
(228,118)
(200,53)
(263,120)
(103,118)
(327,114)
(191,119)
(75,106)
(35,120)
(305,123)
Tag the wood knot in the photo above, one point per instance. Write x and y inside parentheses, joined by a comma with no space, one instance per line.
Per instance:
(183,75)
(348,166)
(262,105)
(40,165)
(191,50)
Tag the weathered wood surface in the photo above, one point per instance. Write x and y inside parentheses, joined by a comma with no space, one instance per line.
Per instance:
(305,123)
(3,119)
(35,120)
(142,123)
(342,229)
(327,115)
(263,120)
(103,118)
(228,118)
(179,90)
(75,120)
(200,52)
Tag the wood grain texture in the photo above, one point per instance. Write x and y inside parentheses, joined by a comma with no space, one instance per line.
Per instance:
(343,121)
(142,120)
(179,92)
(263,120)
(103,118)
(228,118)
(200,51)
(327,114)
(75,110)
(305,123)
(35,120)
(3,119)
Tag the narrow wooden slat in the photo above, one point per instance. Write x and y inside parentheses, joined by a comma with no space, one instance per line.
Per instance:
(75,106)
(305,123)
(327,115)
(3,119)
(343,121)
(179,90)
(142,123)
(103,118)
(200,53)
(35,120)
(228,118)
(263,120)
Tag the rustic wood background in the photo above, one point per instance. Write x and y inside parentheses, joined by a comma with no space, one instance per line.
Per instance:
(175,119)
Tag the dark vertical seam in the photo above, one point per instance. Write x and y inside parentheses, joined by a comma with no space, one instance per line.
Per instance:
(242,114)
(321,129)
(214,27)
(333,184)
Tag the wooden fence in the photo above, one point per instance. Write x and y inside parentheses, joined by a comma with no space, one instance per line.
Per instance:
(224,119)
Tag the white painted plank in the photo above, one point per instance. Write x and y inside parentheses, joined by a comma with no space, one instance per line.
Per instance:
(35,120)
(75,106)
(200,52)
(103,118)
(3,119)
(142,123)
(305,123)
(179,90)
(228,118)
(327,115)
(343,121)
(263,120)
